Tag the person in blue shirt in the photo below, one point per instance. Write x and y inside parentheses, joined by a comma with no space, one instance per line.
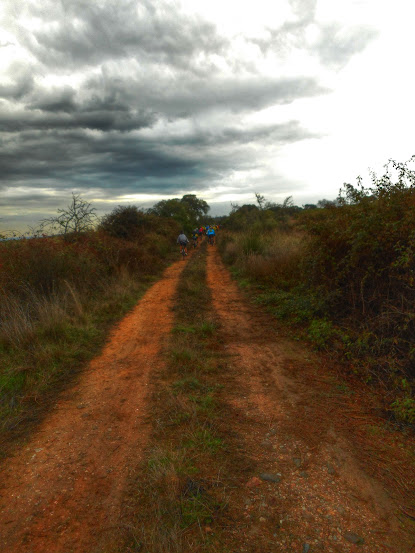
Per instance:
(211,235)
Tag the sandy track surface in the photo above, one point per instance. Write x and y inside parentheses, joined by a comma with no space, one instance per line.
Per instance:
(64,489)
(322,498)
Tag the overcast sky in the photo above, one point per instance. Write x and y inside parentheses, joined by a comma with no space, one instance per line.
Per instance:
(132,101)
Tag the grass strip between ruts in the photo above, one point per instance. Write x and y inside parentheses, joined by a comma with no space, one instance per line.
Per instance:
(181,491)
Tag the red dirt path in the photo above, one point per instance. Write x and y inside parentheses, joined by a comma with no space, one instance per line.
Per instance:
(301,426)
(63,490)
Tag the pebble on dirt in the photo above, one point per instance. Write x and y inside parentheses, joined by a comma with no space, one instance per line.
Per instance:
(253,482)
(353,538)
(270,477)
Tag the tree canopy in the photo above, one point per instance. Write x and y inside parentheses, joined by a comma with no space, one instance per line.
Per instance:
(188,211)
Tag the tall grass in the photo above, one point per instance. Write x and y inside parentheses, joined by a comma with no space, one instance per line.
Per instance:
(58,296)
(346,273)
(274,257)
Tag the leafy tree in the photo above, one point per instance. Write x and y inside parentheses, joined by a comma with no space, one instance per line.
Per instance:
(79,216)
(123,222)
(198,208)
(188,211)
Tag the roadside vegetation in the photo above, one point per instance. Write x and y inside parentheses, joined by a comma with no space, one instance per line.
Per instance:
(342,274)
(60,294)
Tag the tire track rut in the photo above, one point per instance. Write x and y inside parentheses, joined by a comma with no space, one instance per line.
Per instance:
(65,487)
(324,497)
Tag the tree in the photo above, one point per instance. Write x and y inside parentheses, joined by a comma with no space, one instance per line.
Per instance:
(123,222)
(188,211)
(198,208)
(78,217)
(261,201)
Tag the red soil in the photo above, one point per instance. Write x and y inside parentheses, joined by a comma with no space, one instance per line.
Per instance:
(294,420)
(64,489)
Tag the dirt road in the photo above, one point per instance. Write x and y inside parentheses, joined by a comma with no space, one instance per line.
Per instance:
(312,491)
(316,494)
(64,490)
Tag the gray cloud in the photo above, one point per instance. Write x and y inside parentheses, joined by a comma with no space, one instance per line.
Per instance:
(132,164)
(54,99)
(80,32)
(129,97)
(338,44)
(21,82)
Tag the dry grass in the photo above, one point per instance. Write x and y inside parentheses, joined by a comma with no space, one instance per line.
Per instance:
(266,257)
(45,341)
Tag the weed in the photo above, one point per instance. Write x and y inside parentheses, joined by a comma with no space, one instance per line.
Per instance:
(203,440)
(189,383)
(207,328)
(404,409)
(184,329)
(321,333)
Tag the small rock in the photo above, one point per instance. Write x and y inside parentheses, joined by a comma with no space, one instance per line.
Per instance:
(266,444)
(330,469)
(270,477)
(297,462)
(253,482)
(353,538)
(262,519)
(341,510)
(306,548)
(303,474)
(273,431)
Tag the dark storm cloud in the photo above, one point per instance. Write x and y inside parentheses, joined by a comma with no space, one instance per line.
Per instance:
(186,97)
(144,98)
(129,164)
(82,32)
(95,119)
(54,100)
(126,103)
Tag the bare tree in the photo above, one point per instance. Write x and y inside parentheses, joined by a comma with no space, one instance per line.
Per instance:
(78,217)
(260,200)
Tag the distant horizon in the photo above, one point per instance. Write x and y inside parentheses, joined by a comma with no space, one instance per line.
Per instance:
(25,222)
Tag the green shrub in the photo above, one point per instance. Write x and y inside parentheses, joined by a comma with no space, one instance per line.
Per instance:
(252,243)
(321,332)
(404,409)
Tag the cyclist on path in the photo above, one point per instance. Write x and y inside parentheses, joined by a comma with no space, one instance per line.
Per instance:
(182,240)
(195,236)
(211,235)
